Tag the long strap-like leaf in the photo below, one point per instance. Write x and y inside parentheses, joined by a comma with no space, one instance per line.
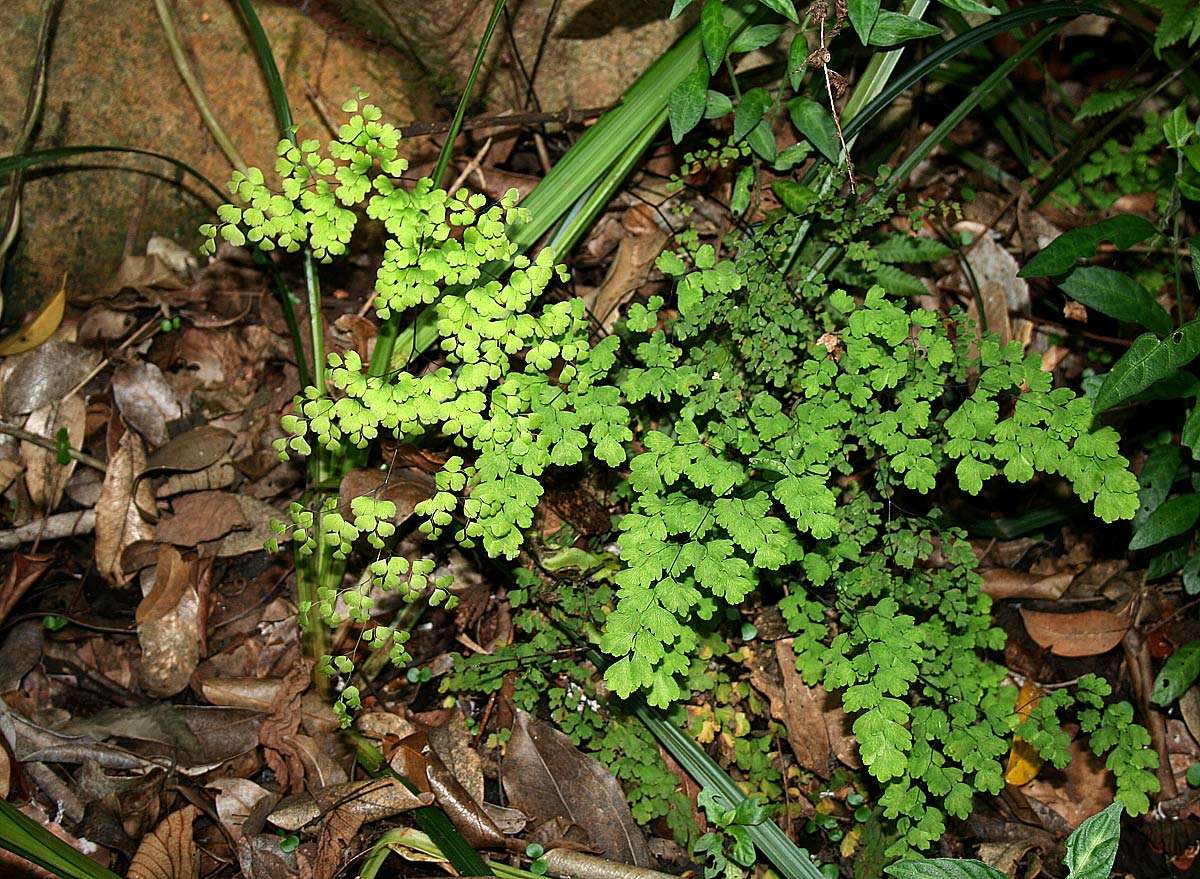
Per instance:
(29,840)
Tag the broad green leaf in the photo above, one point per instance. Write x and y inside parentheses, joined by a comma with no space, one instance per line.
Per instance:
(1194,253)
(750,110)
(714,33)
(971,6)
(756,37)
(1155,481)
(1059,256)
(796,197)
(1092,848)
(716,105)
(797,61)
(1177,674)
(943,868)
(1117,295)
(812,120)
(1191,575)
(1172,518)
(1146,361)
(1176,129)
(740,199)
(892,28)
(762,140)
(678,6)
(862,16)
(1190,436)
(688,100)
(786,8)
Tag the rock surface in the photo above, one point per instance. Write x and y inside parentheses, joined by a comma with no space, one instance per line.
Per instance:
(112,81)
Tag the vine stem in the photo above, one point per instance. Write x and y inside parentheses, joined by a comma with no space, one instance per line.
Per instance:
(171,32)
(47,443)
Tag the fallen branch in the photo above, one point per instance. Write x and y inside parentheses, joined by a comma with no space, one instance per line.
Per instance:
(50,528)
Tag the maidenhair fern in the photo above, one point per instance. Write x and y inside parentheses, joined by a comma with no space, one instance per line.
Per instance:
(772,424)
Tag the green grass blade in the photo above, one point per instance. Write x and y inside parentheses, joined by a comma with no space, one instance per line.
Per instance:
(37,158)
(443,159)
(29,840)
(431,819)
(270,70)
(287,131)
(964,42)
(792,861)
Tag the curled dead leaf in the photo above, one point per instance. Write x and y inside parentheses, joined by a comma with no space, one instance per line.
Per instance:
(1087,633)
(118,513)
(1002,583)
(145,399)
(370,799)
(241,804)
(257,694)
(170,628)
(404,486)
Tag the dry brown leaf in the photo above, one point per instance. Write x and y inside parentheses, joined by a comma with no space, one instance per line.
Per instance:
(9,471)
(145,400)
(1189,708)
(350,332)
(141,273)
(338,829)
(201,517)
(37,327)
(817,727)
(995,311)
(635,257)
(242,692)
(170,629)
(580,865)
(193,450)
(454,744)
(417,761)
(1002,583)
(239,802)
(1023,759)
(44,375)
(321,769)
(23,572)
(100,323)
(1081,790)
(547,777)
(277,731)
(1086,633)
(169,852)
(370,800)
(118,519)
(404,486)
(45,478)
(5,773)
(218,476)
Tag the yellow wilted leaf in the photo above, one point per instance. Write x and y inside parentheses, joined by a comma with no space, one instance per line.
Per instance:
(1023,761)
(39,329)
